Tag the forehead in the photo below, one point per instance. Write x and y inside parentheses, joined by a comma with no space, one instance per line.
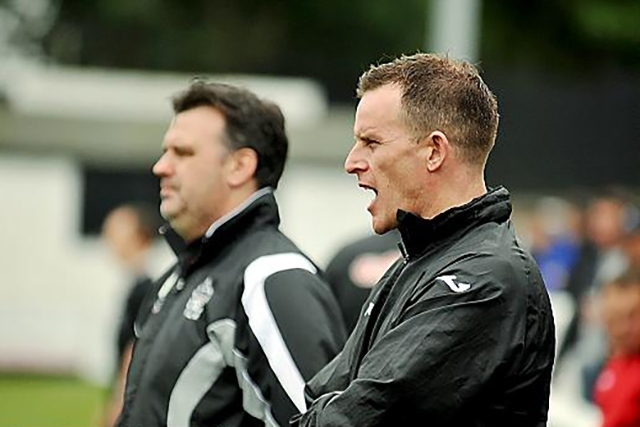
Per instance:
(196,125)
(378,109)
(119,218)
(622,296)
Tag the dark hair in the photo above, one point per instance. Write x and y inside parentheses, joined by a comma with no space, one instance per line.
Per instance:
(251,122)
(146,216)
(439,93)
(149,220)
(627,279)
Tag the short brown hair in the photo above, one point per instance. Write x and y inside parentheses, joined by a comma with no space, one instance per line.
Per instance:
(627,279)
(439,93)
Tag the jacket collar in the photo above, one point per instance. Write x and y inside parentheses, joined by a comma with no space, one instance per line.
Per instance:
(419,234)
(260,209)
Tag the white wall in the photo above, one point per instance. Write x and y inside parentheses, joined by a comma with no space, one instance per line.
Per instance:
(60,292)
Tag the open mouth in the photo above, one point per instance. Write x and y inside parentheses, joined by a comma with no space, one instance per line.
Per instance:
(367,187)
(370,190)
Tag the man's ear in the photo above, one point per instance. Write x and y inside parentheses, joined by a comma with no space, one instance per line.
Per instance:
(242,165)
(438,149)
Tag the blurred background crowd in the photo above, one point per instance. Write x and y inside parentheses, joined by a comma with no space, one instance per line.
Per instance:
(84,102)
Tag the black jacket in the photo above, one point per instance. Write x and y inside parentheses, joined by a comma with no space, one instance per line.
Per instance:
(458,333)
(138,291)
(229,337)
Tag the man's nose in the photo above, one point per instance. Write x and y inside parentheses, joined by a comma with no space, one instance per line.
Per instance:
(161,167)
(354,161)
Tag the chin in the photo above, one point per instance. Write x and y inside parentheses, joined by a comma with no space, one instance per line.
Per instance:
(181,230)
(379,228)
(167,211)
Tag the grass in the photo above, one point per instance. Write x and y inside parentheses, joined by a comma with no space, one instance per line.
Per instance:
(48,401)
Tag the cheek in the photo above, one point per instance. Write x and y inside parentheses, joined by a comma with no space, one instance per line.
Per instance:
(195,174)
(389,175)
(395,187)
(406,187)
(209,187)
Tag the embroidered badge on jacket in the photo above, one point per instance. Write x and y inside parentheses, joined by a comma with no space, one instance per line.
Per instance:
(199,298)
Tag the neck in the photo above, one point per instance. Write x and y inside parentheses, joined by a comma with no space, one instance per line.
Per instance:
(234,201)
(137,265)
(452,191)
(238,207)
(239,197)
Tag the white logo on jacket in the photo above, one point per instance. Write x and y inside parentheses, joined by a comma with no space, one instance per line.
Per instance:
(199,298)
(455,287)
(368,310)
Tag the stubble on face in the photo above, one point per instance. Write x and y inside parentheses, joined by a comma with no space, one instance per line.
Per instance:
(191,171)
(385,149)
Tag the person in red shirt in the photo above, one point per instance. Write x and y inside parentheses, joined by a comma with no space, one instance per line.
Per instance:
(617,390)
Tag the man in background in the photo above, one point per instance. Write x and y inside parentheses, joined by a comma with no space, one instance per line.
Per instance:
(617,389)
(356,267)
(129,231)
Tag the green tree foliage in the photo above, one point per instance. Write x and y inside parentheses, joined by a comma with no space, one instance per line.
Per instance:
(333,40)
(568,35)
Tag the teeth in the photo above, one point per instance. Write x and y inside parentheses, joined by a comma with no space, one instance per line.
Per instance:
(372,192)
(367,188)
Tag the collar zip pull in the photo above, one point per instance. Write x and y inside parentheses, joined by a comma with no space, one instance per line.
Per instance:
(403,251)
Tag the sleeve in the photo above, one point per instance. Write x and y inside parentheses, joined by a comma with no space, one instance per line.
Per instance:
(297,326)
(447,345)
(308,318)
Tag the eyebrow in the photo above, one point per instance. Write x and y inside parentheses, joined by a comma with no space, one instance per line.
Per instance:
(367,138)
